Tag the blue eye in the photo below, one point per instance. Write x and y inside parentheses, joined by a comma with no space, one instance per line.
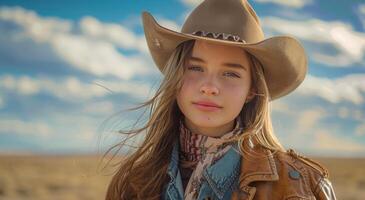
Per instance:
(198,68)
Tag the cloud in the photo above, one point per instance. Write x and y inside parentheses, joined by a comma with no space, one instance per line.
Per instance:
(358,115)
(83,134)
(347,113)
(349,88)
(39,29)
(98,57)
(309,134)
(326,141)
(19,127)
(361,14)
(280,106)
(23,85)
(101,107)
(308,119)
(113,33)
(136,89)
(343,112)
(291,3)
(191,3)
(2,102)
(71,89)
(169,24)
(360,129)
(94,50)
(349,44)
(52,134)
(79,131)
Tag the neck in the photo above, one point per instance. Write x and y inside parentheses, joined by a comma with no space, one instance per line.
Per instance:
(210,131)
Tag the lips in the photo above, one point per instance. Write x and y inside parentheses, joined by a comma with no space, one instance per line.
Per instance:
(207,103)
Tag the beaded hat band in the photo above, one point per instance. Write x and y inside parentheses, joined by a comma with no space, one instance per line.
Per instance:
(222,36)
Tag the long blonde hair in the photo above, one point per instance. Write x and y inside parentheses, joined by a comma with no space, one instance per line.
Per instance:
(142,174)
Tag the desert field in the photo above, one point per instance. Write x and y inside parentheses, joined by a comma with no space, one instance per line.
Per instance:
(82,177)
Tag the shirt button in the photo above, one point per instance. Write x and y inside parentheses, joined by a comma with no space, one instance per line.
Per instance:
(294,174)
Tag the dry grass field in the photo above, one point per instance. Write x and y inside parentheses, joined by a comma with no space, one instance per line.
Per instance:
(77,177)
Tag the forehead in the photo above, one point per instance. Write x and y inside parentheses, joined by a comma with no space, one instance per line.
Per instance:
(215,52)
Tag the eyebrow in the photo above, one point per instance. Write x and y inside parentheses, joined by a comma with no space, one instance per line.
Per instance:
(226,64)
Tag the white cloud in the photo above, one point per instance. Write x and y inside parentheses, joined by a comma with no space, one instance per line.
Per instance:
(280,106)
(19,127)
(27,86)
(71,89)
(169,24)
(94,50)
(308,119)
(352,113)
(291,3)
(67,120)
(22,85)
(79,131)
(136,89)
(57,131)
(362,8)
(349,88)
(360,129)
(111,32)
(101,107)
(38,28)
(325,141)
(349,43)
(2,102)
(83,134)
(310,135)
(191,3)
(98,57)
(361,13)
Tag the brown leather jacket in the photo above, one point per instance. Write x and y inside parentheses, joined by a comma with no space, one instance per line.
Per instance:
(266,174)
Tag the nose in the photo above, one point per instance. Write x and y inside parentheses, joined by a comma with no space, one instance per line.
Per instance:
(209,89)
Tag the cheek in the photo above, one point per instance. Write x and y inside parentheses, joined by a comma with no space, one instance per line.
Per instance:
(236,95)
(188,84)
(185,90)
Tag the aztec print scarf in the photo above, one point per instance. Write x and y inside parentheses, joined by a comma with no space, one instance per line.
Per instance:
(197,152)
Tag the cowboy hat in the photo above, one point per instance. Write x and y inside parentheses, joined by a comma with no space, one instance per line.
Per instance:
(234,23)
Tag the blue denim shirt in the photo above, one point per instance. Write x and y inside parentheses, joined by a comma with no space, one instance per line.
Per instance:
(219,179)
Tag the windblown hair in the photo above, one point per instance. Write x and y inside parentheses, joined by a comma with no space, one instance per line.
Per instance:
(142,174)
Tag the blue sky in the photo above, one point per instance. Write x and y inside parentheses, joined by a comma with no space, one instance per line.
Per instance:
(54,57)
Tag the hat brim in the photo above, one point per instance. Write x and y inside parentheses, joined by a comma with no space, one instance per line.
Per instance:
(283,57)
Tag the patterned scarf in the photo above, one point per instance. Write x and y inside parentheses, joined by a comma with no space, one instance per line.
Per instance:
(197,152)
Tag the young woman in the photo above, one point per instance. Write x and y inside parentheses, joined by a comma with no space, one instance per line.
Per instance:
(209,135)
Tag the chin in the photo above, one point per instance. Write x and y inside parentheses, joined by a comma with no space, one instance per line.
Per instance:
(206,121)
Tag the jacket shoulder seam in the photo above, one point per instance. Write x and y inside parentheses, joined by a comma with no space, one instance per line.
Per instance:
(317,185)
(322,170)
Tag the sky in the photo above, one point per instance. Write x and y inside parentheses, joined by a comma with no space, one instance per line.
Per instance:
(67,69)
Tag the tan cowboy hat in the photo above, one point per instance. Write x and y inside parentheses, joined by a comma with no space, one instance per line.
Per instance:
(234,23)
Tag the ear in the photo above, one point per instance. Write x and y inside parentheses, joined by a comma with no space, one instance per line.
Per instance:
(250,96)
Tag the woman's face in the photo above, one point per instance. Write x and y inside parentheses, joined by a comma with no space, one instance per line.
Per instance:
(218,74)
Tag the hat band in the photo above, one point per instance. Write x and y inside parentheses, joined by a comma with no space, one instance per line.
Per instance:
(222,36)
